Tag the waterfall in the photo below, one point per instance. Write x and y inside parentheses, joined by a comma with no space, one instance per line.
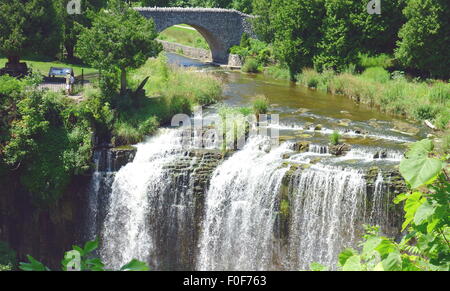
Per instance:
(318,149)
(180,208)
(327,203)
(241,208)
(330,205)
(134,196)
(100,185)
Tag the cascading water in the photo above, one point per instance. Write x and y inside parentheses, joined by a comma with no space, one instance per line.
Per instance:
(154,204)
(240,210)
(330,205)
(135,195)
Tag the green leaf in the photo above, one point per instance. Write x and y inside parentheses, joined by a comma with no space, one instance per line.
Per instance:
(401,197)
(431,226)
(379,267)
(344,255)
(353,263)
(317,267)
(423,212)
(135,265)
(371,244)
(33,265)
(412,203)
(420,149)
(90,246)
(386,247)
(393,262)
(420,170)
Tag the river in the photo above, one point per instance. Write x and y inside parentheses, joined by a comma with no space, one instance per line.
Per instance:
(181,208)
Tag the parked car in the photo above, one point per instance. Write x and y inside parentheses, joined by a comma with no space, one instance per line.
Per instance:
(59,72)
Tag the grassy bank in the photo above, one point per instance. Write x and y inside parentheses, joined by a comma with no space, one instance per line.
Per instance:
(44,66)
(391,93)
(184,34)
(170,90)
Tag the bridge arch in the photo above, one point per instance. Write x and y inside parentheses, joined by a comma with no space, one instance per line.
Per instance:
(221,28)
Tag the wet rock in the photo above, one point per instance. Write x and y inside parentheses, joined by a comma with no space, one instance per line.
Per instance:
(318,127)
(302,110)
(339,150)
(304,135)
(301,146)
(315,160)
(359,130)
(405,128)
(120,156)
(380,155)
(344,122)
(287,155)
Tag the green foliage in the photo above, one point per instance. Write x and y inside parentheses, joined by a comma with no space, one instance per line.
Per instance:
(128,38)
(395,95)
(82,259)
(335,138)
(29,27)
(418,168)
(426,30)
(7,257)
(46,137)
(377,74)
(232,127)
(382,60)
(179,87)
(425,246)
(260,105)
(295,32)
(250,66)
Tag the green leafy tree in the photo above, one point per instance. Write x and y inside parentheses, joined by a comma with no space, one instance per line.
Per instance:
(73,23)
(425,37)
(296,35)
(29,27)
(119,39)
(262,24)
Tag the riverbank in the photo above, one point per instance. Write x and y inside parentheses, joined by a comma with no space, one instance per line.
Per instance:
(391,93)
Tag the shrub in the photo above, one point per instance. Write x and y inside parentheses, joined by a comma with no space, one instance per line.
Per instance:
(278,72)
(439,93)
(376,74)
(335,138)
(250,66)
(425,112)
(7,257)
(260,105)
(381,60)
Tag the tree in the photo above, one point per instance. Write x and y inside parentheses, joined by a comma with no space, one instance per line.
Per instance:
(119,39)
(262,26)
(28,27)
(295,25)
(72,22)
(425,37)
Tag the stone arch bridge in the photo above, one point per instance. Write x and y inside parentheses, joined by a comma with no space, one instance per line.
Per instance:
(221,28)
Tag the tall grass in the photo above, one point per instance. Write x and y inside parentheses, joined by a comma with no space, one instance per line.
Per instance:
(375,87)
(171,81)
(381,60)
(250,65)
(170,90)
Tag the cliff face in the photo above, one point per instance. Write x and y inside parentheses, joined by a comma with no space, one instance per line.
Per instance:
(44,233)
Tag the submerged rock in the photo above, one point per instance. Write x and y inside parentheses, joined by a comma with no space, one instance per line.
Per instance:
(405,128)
(301,146)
